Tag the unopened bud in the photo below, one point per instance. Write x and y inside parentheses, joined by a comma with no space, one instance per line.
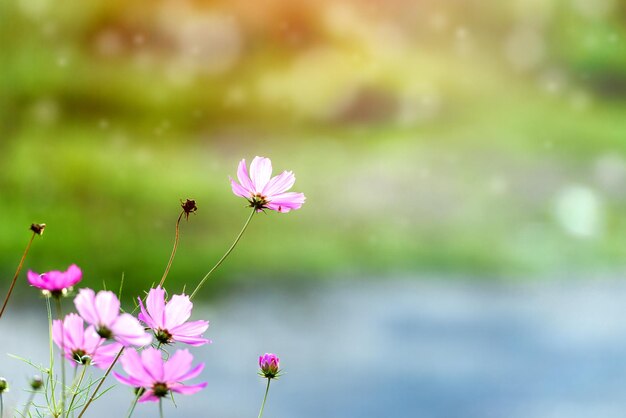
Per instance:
(36,382)
(269,364)
(38,228)
(4,385)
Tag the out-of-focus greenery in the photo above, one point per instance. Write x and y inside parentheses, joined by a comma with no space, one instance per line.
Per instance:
(465,137)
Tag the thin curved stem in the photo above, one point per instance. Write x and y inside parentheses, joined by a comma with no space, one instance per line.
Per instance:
(267,389)
(176,238)
(60,318)
(221,260)
(31,397)
(51,369)
(17,273)
(106,374)
(80,381)
(134,403)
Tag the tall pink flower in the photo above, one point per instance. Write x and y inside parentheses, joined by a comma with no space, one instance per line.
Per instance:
(264,192)
(169,320)
(56,282)
(159,377)
(103,312)
(76,342)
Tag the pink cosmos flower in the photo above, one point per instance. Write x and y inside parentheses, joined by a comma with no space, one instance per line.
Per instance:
(263,192)
(56,282)
(269,364)
(168,320)
(159,377)
(76,342)
(103,312)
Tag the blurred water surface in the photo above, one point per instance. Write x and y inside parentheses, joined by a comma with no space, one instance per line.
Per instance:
(399,348)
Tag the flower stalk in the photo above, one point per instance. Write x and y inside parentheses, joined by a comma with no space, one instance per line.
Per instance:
(221,260)
(19,269)
(267,389)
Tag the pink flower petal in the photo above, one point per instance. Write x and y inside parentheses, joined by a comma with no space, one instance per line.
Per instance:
(279,184)
(132,364)
(244,178)
(177,311)
(260,172)
(107,307)
(285,202)
(155,302)
(177,365)
(188,390)
(128,331)
(153,364)
(85,305)
(240,190)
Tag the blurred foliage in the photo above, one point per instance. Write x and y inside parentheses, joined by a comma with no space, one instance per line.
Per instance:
(439,136)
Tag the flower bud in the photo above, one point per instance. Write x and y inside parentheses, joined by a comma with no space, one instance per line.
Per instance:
(36,382)
(269,364)
(4,385)
(38,228)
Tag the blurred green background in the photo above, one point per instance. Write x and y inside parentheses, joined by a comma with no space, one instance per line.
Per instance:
(473,138)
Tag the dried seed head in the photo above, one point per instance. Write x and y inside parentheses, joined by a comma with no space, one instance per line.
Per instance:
(38,228)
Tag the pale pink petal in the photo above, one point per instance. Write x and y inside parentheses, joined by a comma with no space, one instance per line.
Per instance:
(130,381)
(128,331)
(153,364)
(240,190)
(177,311)
(260,172)
(190,332)
(132,364)
(57,330)
(192,373)
(192,341)
(74,331)
(177,366)
(105,354)
(144,316)
(149,396)
(279,184)
(285,202)
(107,307)
(85,305)
(188,390)
(244,178)
(155,302)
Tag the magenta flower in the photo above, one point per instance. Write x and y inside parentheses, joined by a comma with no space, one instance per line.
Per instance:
(269,364)
(84,346)
(263,192)
(168,320)
(103,312)
(56,282)
(159,377)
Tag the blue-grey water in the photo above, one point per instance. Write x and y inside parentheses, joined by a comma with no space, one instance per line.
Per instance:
(398,348)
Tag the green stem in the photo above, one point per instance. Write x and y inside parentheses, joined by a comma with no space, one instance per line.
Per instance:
(60,317)
(106,374)
(232,247)
(267,389)
(134,403)
(161,408)
(176,237)
(51,369)
(28,403)
(76,389)
(17,273)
